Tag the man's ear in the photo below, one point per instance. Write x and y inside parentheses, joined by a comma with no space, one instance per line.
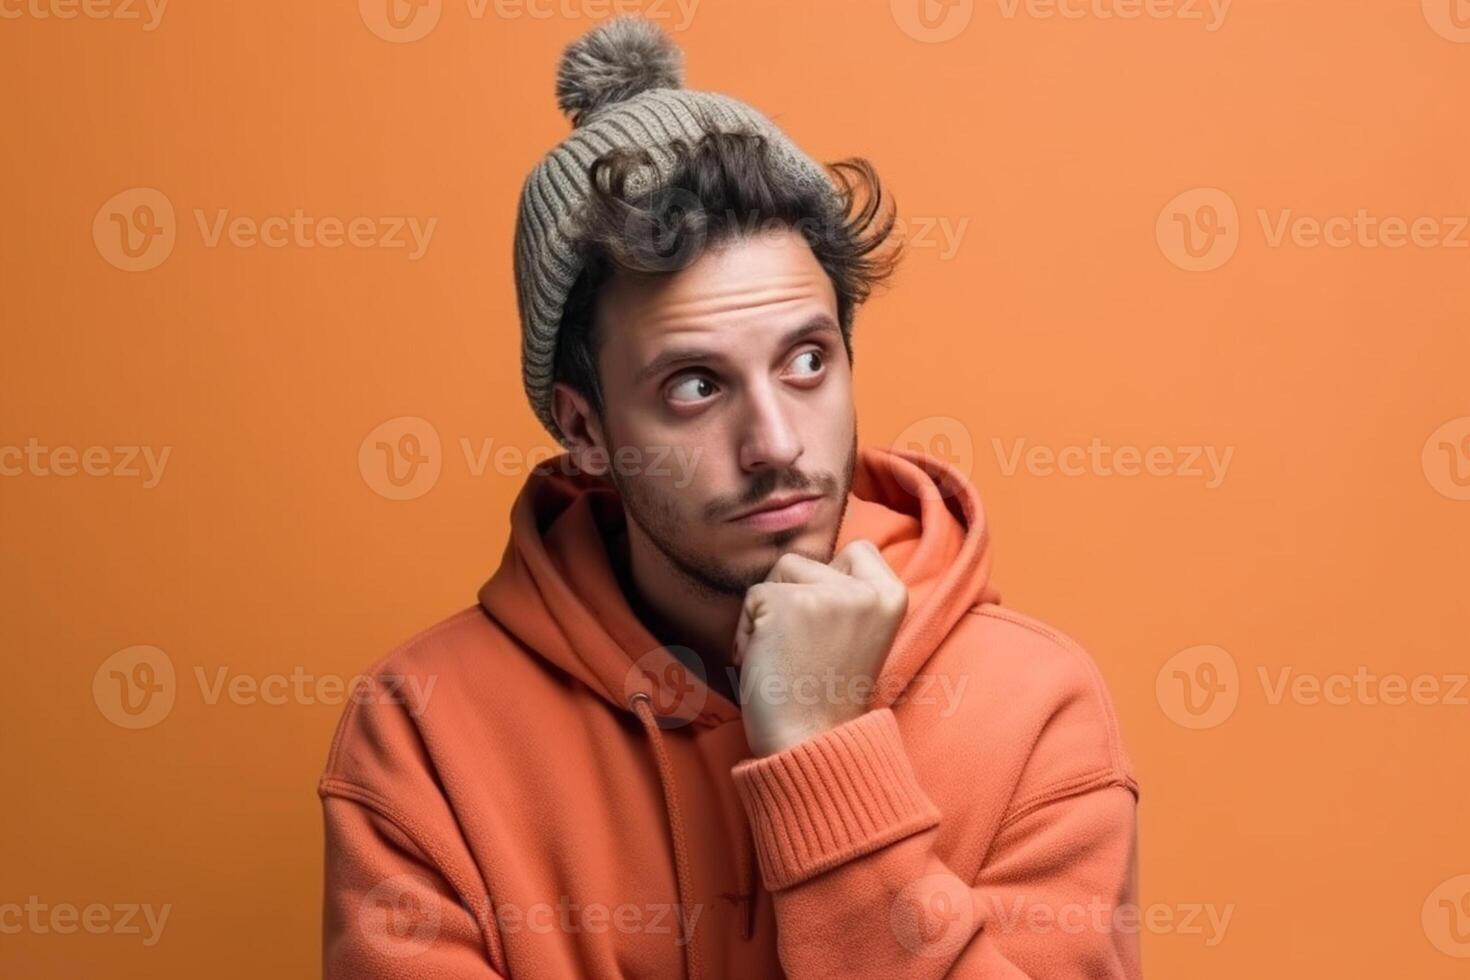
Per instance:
(583,430)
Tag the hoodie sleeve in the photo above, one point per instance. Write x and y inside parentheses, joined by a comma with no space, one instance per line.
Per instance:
(846,839)
(389,911)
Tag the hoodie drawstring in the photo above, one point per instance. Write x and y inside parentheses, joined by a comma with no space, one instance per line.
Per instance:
(747,884)
(746,895)
(642,706)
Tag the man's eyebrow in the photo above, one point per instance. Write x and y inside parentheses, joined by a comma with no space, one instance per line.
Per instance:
(674,356)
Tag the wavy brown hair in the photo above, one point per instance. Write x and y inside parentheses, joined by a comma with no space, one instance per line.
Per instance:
(724,185)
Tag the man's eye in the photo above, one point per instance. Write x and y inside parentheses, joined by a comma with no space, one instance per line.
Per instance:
(691,389)
(813,354)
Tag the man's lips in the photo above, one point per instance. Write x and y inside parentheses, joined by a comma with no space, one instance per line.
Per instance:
(779,513)
(775,503)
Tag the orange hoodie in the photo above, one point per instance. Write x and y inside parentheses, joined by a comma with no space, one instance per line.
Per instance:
(534,787)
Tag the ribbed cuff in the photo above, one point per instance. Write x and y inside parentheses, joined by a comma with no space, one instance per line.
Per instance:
(834,797)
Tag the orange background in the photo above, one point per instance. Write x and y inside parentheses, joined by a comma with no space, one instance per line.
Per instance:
(1333,543)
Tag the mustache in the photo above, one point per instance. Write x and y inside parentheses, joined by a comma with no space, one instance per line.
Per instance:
(768,483)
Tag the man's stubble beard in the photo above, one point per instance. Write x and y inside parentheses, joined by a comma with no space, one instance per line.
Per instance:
(712,577)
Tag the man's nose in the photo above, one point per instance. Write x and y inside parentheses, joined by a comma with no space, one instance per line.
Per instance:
(769,436)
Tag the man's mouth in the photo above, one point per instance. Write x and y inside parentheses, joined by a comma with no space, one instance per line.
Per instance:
(779,513)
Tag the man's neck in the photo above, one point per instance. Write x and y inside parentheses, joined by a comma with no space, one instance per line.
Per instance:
(676,610)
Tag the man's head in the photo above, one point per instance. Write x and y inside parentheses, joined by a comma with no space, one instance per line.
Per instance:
(704,358)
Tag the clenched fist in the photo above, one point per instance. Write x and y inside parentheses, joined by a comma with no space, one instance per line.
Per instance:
(811,641)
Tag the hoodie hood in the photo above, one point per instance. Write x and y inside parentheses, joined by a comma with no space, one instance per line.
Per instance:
(556,590)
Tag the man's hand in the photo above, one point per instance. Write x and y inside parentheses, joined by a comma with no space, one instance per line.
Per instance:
(811,641)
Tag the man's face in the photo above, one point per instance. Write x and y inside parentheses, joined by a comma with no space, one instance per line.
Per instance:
(728,387)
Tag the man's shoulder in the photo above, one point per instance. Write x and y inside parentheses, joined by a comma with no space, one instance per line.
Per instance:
(1036,691)
(1042,661)
(439,647)
(380,737)
(457,644)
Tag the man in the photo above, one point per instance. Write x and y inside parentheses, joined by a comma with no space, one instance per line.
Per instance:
(739,700)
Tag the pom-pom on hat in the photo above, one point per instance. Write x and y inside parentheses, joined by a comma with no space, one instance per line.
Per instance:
(622,85)
(613,63)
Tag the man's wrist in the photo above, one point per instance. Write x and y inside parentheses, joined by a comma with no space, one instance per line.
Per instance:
(797,731)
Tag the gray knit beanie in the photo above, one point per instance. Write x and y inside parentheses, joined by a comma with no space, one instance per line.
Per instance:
(622,86)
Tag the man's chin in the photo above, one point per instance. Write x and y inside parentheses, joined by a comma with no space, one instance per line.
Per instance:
(812,540)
